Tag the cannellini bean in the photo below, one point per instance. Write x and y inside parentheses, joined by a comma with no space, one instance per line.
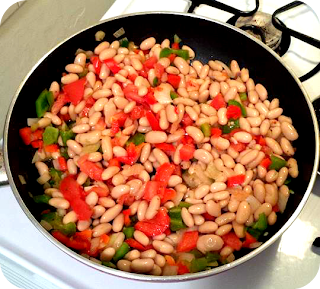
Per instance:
(109,172)
(208,227)
(243,137)
(132,255)
(271,176)
(195,133)
(162,247)
(271,194)
(222,116)
(265,208)
(153,207)
(262,92)
(220,143)
(283,197)
(141,211)
(197,209)
(101,229)
(148,43)
(59,203)
(182,65)
(286,146)
(174,181)
(155,137)
(243,212)
(201,191)
(289,131)
(223,230)
(92,199)
(282,176)
(259,192)
(293,167)
(141,237)
(274,145)
(203,156)
(111,213)
(187,217)
(210,242)
(142,265)
(225,218)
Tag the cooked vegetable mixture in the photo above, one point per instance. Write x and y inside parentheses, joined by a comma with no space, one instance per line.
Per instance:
(155,163)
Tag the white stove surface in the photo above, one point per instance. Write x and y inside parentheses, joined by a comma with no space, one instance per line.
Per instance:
(291,262)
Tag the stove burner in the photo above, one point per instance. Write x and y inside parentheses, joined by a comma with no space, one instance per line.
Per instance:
(260,25)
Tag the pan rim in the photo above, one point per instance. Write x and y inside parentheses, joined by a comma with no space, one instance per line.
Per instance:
(178,278)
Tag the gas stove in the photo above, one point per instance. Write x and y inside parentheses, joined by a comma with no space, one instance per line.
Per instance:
(31,261)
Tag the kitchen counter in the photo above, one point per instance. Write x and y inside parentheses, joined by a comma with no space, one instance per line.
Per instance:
(32,30)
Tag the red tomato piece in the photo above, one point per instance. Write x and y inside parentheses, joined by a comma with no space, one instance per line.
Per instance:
(28,136)
(136,245)
(119,117)
(260,140)
(89,103)
(172,57)
(232,240)
(62,163)
(174,80)
(143,72)
(182,269)
(137,112)
(235,180)
(149,98)
(216,132)
(168,194)
(154,123)
(149,63)
(131,93)
(275,208)
(208,217)
(239,147)
(59,103)
(175,45)
(155,226)
(166,147)
(96,62)
(233,112)
(249,240)
(112,65)
(151,190)
(164,173)
(266,162)
(159,70)
(132,77)
(37,144)
(90,168)
(101,192)
(126,200)
(114,162)
(186,120)
(187,151)
(218,101)
(188,241)
(74,91)
(126,214)
(187,140)
(101,125)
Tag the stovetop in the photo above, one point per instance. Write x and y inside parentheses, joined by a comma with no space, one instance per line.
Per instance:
(291,262)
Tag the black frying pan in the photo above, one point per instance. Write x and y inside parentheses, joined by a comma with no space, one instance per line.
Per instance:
(210,40)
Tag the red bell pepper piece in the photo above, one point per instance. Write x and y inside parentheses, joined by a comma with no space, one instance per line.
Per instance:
(73,193)
(175,45)
(275,208)
(260,140)
(159,70)
(114,162)
(37,144)
(187,151)
(218,101)
(182,269)
(186,120)
(51,148)
(166,147)
(74,91)
(132,77)
(239,147)
(155,226)
(149,98)
(154,123)
(90,168)
(136,245)
(177,170)
(59,103)
(75,242)
(89,103)
(28,136)
(96,62)
(208,217)
(248,241)
(126,199)
(216,132)
(235,180)
(168,195)
(133,153)
(233,112)
(126,214)
(174,80)
(149,63)
(266,162)
(186,139)
(100,191)
(232,241)
(62,163)
(164,173)
(112,65)
(131,93)
(172,57)
(152,189)
(143,72)
(188,241)
(137,112)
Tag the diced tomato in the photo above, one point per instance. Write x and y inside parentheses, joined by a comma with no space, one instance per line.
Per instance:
(216,132)
(154,123)
(100,191)
(208,217)
(164,173)
(65,117)
(60,237)
(73,193)
(155,226)
(132,77)
(266,150)
(131,93)
(114,162)
(100,125)
(149,98)
(37,144)
(177,170)
(275,208)
(218,101)
(90,168)
(166,147)
(174,80)
(74,91)
(73,242)
(96,62)
(126,214)
(187,140)
(119,117)
(186,120)
(175,45)
(186,152)
(266,162)
(182,269)
(260,140)
(126,200)
(143,72)
(113,65)
(136,245)
(233,112)
(172,57)
(168,195)
(59,103)
(188,241)
(249,240)
(81,240)
(137,112)
(51,148)
(89,103)
(28,136)
(149,63)
(232,241)
(151,190)
(159,70)
(239,147)
(235,180)
(62,163)
(167,232)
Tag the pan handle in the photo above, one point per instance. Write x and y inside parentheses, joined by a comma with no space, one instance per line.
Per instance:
(3,174)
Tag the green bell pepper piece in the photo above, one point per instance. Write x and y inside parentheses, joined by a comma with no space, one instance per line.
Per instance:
(288,181)
(184,205)
(128,231)
(137,138)
(109,264)
(196,253)
(261,224)
(66,135)
(55,177)
(254,232)
(277,163)
(176,39)
(50,135)
(41,199)
(175,213)
(212,257)
(206,129)
(124,42)
(68,229)
(44,102)
(243,96)
(155,82)
(121,252)
(64,152)
(236,103)
(198,265)
(56,222)
(173,95)
(176,225)
(165,52)
(230,126)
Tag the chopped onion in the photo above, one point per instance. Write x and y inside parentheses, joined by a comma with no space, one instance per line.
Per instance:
(46,225)
(22,179)
(31,121)
(226,68)
(91,148)
(169,270)
(255,245)
(95,260)
(230,258)
(162,93)
(99,35)
(44,178)
(185,257)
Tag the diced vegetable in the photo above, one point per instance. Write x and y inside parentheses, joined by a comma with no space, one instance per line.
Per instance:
(183,204)
(248,241)
(50,135)
(176,39)
(112,65)
(262,223)
(188,241)
(128,231)
(120,253)
(56,222)
(186,152)
(176,222)
(232,240)
(74,91)
(243,96)
(218,101)
(233,102)
(206,129)
(55,177)
(28,136)
(165,52)
(233,112)
(41,199)
(44,102)
(137,139)
(124,42)
(174,80)
(212,257)
(136,245)
(266,162)
(198,265)
(173,95)
(235,180)
(230,126)
(109,264)
(154,123)
(155,82)
(66,135)
(164,173)
(276,163)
